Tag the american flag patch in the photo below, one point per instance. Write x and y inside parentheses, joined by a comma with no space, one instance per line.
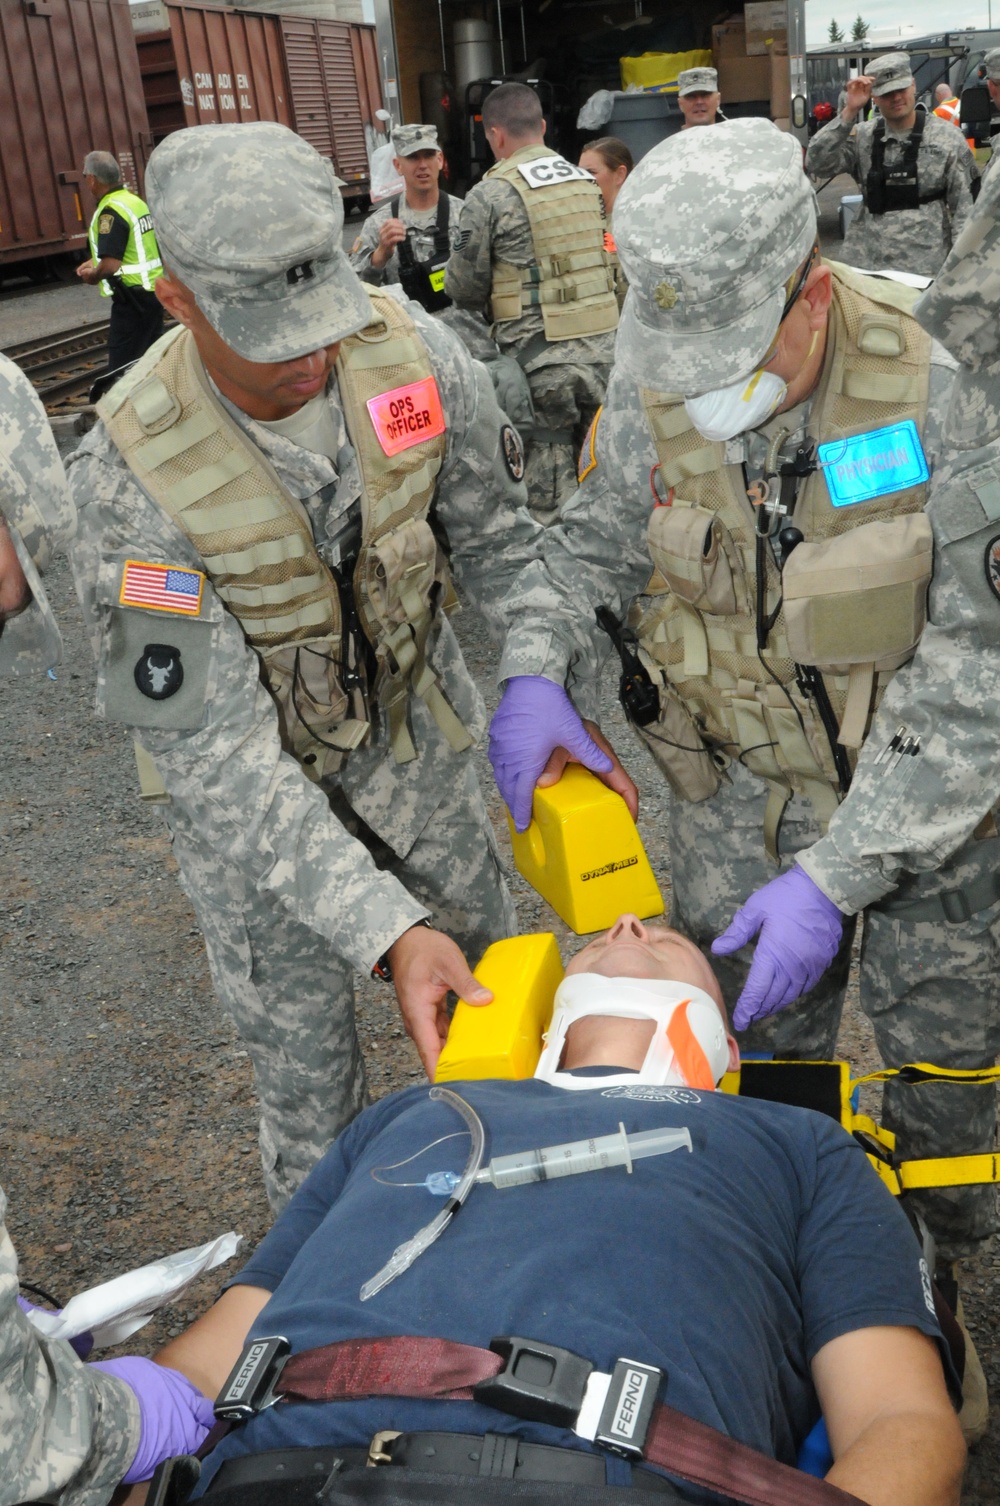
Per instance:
(161,588)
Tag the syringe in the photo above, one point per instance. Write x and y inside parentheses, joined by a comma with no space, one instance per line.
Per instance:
(582,1155)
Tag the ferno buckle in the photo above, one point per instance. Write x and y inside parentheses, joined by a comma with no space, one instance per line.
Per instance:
(539,1382)
(249,1388)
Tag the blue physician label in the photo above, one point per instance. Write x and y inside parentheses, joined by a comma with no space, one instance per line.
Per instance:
(871,465)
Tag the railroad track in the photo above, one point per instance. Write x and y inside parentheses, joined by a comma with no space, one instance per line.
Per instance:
(63,367)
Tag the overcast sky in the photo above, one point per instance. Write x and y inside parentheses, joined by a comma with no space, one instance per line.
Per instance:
(918,17)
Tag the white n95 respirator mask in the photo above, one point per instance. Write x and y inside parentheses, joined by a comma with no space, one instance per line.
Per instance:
(729,411)
(688,1046)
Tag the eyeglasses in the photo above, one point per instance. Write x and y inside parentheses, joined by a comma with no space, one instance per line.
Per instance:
(793,287)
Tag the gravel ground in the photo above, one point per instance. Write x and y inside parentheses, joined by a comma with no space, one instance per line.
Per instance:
(128,1126)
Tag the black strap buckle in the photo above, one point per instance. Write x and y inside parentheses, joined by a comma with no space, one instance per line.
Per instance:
(249,1389)
(173,1481)
(539,1381)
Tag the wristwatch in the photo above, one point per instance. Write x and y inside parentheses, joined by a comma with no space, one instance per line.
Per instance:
(382,968)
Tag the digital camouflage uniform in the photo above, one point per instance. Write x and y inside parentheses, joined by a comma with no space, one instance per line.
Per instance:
(297,884)
(66,1429)
(903,240)
(36,504)
(567,377)
(928,985)
(933,815)
(421,239)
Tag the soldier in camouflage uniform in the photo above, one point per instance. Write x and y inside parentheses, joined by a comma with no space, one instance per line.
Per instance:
(36,505)
(568,372)
(912,211)
(311,735)
(991,71)
(64,1427)
(929,964)
(414,218)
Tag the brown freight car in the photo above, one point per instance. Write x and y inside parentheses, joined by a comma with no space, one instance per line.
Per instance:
(213,63)
(69,84)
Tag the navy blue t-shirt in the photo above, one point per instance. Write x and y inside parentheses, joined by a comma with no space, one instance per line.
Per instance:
(729,1267)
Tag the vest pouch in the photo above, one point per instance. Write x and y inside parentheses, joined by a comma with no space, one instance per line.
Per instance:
(695,554)
(304,679)
(861,597)
(397,579)
(677,745)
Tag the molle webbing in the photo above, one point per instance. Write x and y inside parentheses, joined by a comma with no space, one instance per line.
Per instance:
(876,373)
(252,535)
(256,541)
(571,279)
(386,354)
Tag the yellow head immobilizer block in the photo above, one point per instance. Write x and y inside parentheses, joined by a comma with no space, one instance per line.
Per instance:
(583,854)
(504,1039)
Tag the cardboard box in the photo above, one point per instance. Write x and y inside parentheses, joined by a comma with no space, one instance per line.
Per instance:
(729,39)
(742,79)
(766,26)
(781,93)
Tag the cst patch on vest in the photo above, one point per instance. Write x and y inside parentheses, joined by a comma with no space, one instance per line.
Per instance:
(545,171)
(407,416)
(871,465)
(105,223)
(992,562)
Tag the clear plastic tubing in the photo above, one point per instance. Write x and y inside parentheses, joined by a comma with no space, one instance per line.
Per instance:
(578,1156)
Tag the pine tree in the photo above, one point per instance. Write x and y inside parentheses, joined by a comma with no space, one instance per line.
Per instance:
(859,30)
(835,34)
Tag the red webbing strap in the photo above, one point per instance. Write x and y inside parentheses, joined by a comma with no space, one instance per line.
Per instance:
(707,1457)
(397,1366)
(412,1366)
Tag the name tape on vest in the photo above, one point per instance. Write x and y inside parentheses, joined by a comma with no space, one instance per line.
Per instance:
(871,465)
(545,171)
(407,415)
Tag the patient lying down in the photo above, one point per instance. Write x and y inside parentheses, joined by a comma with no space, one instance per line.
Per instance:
(767,1273)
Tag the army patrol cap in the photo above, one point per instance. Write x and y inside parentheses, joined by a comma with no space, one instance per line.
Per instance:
(709,228)
(409,139)
(991,64)
(889,72)
(249,217)
(960,310)
(697,81)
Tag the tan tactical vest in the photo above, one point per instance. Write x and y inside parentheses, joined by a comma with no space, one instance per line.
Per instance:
(850,600)
(571,278)
(257,546)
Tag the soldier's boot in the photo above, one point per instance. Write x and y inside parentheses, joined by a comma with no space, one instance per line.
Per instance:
(974,1418)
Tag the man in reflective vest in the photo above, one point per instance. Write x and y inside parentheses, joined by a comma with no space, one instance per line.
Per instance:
(408,239)
(531,256)
(125,261)
(916,175)
(946,106)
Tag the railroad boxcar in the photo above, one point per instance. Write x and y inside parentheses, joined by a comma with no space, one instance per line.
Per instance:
(69,84)
(213,63)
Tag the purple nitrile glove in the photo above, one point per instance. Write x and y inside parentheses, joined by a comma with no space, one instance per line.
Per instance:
(174,1417)
(535,717)
(83,1343)
(800,931)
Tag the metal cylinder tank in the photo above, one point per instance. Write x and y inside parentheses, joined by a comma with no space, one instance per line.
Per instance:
(473,43)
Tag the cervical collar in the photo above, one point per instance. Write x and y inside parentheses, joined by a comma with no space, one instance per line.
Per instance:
(688,1047)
